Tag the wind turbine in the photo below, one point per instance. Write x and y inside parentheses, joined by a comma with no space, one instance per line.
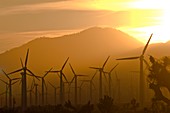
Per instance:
(31,91)
(61,80)
(80,88)
(1,98)
(36,93)
(133,85)
(46,95)
(55,93)
(91,85)
(64,92)
(118,86)
(6,93)
(75,78)
(101,69)
(142,81)
(6,96)
(10,87)
(109,74)
(43,84)
(69,90)
(24,73)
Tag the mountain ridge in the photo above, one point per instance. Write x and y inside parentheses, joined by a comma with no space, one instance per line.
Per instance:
(91,44)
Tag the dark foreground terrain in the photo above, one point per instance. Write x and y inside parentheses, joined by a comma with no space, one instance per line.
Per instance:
(105,105)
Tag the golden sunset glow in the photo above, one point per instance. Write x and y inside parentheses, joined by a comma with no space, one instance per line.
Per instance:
(162,16)
(85,56)
(138,18)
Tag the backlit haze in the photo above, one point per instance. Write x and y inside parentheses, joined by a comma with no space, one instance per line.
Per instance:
(22,21)
(86,32)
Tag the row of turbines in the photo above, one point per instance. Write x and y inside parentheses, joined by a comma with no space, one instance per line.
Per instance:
(24,71)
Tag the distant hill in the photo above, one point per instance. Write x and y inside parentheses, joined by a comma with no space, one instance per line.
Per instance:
(156,49)
(86,48)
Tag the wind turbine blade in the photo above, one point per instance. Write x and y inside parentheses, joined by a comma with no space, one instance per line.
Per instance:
(72,81)
(4,82)
(144,50)
(21,63)
(72,70)
(15,82)
(35,76)
(83,75)
(58,75)
(29,74)
(116,76)
(94,68)
(20,82)
(128,58)
(81,84)
(65,77)
(26,59)
(15,71)
(54,71)
(6,74)
(94,75)
(105,72)
(114,67)
(47,72)
(51,85)
(93,85)
(15,78)
(32,74)
(64,64)
(105,61)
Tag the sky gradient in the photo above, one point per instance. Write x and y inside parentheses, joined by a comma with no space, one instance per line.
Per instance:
(22,21)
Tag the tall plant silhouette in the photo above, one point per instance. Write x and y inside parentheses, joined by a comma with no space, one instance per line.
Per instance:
(69,106)
(105,104)
(134,104)
(159,77)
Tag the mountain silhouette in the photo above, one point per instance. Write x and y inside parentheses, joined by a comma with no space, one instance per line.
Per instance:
(86,48)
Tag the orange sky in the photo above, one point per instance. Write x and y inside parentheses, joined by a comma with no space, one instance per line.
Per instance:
(30,19)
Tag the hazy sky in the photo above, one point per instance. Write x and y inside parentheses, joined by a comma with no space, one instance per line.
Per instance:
(24,20)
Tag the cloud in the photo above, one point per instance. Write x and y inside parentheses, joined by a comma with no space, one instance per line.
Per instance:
(9,3)
(62,19)
(73,14)
(113,5)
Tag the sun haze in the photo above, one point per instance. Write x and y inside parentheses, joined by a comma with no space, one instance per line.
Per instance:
(22,21)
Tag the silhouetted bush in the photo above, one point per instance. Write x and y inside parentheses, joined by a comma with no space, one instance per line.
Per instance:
(106,105)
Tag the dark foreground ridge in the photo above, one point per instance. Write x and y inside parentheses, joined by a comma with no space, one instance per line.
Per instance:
(105,105)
